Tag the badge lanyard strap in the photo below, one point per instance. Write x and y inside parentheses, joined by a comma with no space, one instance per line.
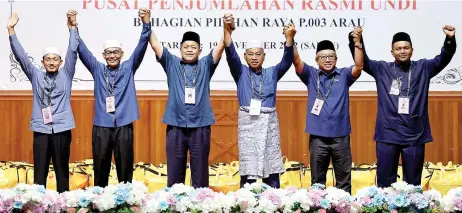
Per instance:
(106,73)
(184,75)
(261,84)
(53,85)
(328,90)
(408,80)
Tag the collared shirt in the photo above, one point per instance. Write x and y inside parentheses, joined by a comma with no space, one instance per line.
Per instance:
(60,84)
(334,118)
(412,128)
(267,78)
(177,113)
(117,82)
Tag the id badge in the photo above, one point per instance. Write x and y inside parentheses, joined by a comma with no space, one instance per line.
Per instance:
(190,95)
(46,113)
(395,87)
(110,104)
(403,105)
(255,106)
(317,106)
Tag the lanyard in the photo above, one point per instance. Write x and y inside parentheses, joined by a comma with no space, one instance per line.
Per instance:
(106,73)
(53,85)
(328,90)
(408,80)
(261,83)
(184,75)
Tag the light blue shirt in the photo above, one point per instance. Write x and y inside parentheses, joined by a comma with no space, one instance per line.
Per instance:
(60,84)
(126,102)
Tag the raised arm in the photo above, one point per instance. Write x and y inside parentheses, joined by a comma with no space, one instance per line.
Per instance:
(156,46)
(358,55)
(163,56)
(437,64)
(87,58)
(71,55)
(218,51)
(301,69)
(18,51)
(369,66)
(298,63)
(233,59)
(288,56)
(137,56)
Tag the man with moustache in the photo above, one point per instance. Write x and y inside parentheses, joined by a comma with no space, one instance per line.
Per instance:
(52,117)
(116,104)
(402,125)
(328,115)
(260,154)
(188,114)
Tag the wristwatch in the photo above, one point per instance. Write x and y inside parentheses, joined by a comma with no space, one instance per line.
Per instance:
(359,46)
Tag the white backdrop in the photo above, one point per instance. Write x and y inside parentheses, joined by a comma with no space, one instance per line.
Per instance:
(43,23)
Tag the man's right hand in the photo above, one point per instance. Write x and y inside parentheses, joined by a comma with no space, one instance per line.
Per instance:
(12,21)
(71,18)
(145,15)
(356,34)
(228,21)
(289,31)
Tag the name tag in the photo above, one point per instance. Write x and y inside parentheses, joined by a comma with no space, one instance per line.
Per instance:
(403,105)
(46,113)
(318,103)
(395,87)
(190,95)
(110,104)
(255,106)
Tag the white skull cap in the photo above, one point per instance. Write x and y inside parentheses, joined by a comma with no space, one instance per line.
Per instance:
(254,44)
(51,50)
(112,43)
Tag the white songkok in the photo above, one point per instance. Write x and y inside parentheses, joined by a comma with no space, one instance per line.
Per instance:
(51,50)
(254,44)
(112,43)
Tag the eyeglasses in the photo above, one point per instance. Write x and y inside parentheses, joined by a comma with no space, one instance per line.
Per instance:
(115,53)
(325,57)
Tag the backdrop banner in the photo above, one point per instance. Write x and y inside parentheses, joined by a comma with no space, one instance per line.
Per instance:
(43,23)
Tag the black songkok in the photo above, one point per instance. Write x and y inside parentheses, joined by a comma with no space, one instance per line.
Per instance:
(325,45)
(191,36)
(401,36)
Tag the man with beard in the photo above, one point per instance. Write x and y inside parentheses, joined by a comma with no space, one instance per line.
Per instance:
(402,125)
(52,117)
